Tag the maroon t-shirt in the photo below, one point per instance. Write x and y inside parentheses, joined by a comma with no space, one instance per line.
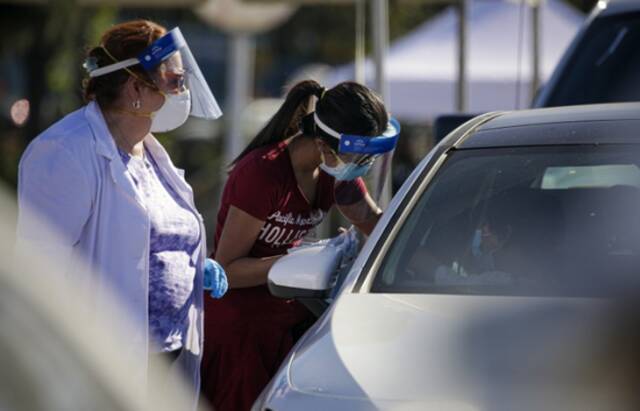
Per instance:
(248,332)
(263,184)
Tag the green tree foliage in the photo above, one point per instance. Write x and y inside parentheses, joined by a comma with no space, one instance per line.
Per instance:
(45,43)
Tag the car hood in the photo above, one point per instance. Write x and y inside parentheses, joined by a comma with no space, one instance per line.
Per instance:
(446,352)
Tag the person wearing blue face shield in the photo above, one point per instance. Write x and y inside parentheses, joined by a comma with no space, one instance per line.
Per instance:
(347,157)
(109,190)
(302,163)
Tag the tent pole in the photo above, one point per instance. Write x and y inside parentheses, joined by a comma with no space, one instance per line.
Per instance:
(535,47)
(461,95)
(360,58)
(380,33)
(240,72)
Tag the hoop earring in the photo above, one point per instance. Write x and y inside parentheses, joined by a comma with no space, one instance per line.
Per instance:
(136,104)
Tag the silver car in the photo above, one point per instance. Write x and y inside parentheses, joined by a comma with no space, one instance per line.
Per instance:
(487,283)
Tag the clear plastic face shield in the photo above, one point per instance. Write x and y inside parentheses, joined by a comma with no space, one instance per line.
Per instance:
(174,72)
(356,189)
(355,154)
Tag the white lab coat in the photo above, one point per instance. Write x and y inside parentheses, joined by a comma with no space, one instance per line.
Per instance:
(73,177)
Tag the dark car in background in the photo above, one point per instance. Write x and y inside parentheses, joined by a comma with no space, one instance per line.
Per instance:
(601,65)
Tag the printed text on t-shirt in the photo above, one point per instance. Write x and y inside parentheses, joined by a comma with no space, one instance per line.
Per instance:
(283,229)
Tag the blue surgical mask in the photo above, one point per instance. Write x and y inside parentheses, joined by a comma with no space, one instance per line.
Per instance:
(346,172)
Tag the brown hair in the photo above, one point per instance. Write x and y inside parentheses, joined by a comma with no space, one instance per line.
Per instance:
(120,42)
(284,123)
(348,107)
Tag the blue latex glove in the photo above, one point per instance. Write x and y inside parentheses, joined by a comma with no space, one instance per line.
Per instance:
(348,241)
(214,278)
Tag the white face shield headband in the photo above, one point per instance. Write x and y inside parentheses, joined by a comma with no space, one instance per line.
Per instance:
(176,74)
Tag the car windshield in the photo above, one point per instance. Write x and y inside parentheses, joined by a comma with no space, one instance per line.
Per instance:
(606,66)
(534,221)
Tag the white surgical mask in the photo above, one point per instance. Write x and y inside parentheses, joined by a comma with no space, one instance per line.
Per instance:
(173,113)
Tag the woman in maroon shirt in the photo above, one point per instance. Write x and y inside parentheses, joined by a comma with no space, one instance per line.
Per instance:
(276,192)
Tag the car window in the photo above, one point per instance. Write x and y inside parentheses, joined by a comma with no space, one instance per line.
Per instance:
(606,65)
(521,220)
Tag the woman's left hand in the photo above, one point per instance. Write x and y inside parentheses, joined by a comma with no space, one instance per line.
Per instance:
(215,278)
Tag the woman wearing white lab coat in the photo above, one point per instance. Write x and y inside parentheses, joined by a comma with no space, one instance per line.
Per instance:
(118,206)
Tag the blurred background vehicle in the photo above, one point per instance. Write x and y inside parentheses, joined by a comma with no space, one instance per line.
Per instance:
(526,220)
(601,64)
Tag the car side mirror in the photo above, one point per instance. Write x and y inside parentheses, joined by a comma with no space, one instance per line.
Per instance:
(307,272)
(446,123)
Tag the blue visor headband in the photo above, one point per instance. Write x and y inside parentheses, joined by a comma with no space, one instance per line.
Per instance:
(162,49)
(150,58)
(350,143)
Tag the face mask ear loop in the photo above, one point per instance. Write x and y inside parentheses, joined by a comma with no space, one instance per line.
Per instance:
(137,113)
(327,168)
(131,73)
(322,157)
(340,162)
(151,85)
(108,54)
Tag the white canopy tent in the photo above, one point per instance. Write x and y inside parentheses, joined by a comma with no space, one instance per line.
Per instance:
(421,68)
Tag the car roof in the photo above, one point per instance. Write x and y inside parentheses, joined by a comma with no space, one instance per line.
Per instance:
(615,123)
(590,112)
